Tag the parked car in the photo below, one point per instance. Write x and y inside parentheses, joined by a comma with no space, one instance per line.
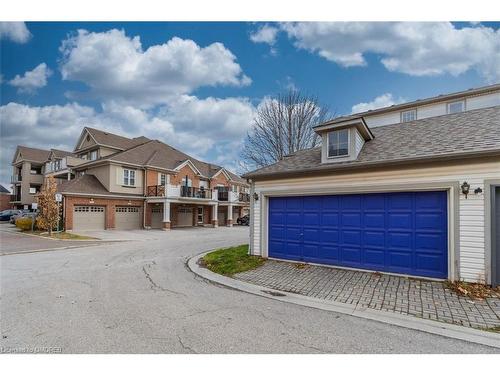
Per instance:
(17,215)
(5,215)
(244,220)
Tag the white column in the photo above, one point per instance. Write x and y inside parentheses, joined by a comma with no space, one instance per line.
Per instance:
(229,216)
(69,176)
(166,214)
(215,209)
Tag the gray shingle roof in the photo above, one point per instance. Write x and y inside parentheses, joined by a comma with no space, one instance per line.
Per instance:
(114,140)
(33,154)
(86,184)
(465,134)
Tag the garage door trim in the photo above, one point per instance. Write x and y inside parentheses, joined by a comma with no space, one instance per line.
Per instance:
(451,187)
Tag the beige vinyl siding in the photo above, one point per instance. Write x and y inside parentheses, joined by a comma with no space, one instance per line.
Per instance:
(359,142)
(117,180)
(471,211)
(102,174)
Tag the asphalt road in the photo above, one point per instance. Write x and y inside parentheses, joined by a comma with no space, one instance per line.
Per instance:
(139,297)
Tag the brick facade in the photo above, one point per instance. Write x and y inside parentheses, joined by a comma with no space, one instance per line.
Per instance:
(109,205)
(179,178)
(5,201)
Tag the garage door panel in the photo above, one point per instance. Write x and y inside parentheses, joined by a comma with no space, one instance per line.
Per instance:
(374,257)
(329,219)
(428,221)
(89,218)
(351,237)
(392,232)
(374,239)
(128,217)
(351,219)
(374,220)
(351,256)
(399,240)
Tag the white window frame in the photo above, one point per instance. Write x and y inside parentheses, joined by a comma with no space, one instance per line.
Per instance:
(448,106)
(198,214)
(163,179)
(128,177)
(348,144)
(91,153)
(32,190)
(413,111)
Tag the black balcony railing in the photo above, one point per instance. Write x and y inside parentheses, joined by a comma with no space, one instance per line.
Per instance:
(223,195)
(156,191)
(192,192)
(244,197)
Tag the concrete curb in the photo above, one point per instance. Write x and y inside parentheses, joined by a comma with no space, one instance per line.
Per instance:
(406,321)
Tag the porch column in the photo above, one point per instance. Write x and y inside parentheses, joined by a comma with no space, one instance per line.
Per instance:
(69,176)
(166,215)
(215,209)
(229,216)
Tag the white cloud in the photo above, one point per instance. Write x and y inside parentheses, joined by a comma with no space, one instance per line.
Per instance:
(32,80)
(116,67)
(203,128)
(265,34)
(14,31)
(384,100)
(419,49)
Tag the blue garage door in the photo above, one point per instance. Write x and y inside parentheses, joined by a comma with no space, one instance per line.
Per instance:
(391,232)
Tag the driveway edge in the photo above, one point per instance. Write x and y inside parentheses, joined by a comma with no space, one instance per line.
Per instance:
(405,321)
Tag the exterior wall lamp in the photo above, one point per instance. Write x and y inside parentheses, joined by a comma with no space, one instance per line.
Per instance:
(465,188)
(256,196)
(91,200)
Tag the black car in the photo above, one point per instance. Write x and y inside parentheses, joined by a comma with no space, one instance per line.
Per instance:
(7,214)
(243,220)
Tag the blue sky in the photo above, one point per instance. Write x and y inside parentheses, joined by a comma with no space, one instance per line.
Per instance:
(196,85)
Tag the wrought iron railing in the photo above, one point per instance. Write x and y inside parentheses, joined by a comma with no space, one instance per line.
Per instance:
(192,192)
(244,197)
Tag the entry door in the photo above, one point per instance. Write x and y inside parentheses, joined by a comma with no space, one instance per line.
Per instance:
(392,232)
(199,215)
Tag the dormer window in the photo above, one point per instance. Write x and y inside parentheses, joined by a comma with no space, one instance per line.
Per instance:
(407,116)
(456,107)
(338,143)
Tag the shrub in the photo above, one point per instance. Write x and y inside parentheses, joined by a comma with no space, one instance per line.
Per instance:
(24,223)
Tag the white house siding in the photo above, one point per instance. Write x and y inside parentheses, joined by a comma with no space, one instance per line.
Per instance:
(471,215)
(434,109)
(359,142)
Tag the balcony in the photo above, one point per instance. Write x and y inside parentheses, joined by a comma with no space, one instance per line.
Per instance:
(223,196)
(16,179)
(192,192)
(244,197)
(156,191)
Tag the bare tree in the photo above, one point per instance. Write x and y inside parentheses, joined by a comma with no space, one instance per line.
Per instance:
(282,126)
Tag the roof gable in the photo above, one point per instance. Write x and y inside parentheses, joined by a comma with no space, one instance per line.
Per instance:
(191,165)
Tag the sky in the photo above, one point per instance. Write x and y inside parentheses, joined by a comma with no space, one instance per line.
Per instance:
(196,86)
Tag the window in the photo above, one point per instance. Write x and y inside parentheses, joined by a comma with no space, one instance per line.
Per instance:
(93,155)
(163,179)
(235,188)
(338,143)
(456,107)
(128,177)
(407,116)
(32,190)
(84,156)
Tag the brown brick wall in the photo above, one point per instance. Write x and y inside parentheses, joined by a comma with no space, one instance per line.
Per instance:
(5,201)
(220,179)
(179,179)
(151,178)
(109,205)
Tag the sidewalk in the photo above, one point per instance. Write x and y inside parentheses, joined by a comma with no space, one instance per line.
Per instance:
(396,294)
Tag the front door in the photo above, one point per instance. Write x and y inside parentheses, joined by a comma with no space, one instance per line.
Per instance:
(199,217)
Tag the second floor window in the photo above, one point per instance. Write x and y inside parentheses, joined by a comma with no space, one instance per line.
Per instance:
(338,143)
(407,116)
(128,177)
(456,107)
(163,179)
(93,155)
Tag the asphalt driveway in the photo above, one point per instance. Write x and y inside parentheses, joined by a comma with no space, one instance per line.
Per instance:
(13,242)
(139,297)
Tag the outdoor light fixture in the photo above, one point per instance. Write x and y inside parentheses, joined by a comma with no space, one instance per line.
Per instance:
(478,191)
(256,196)
(465,188)
(91,201)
